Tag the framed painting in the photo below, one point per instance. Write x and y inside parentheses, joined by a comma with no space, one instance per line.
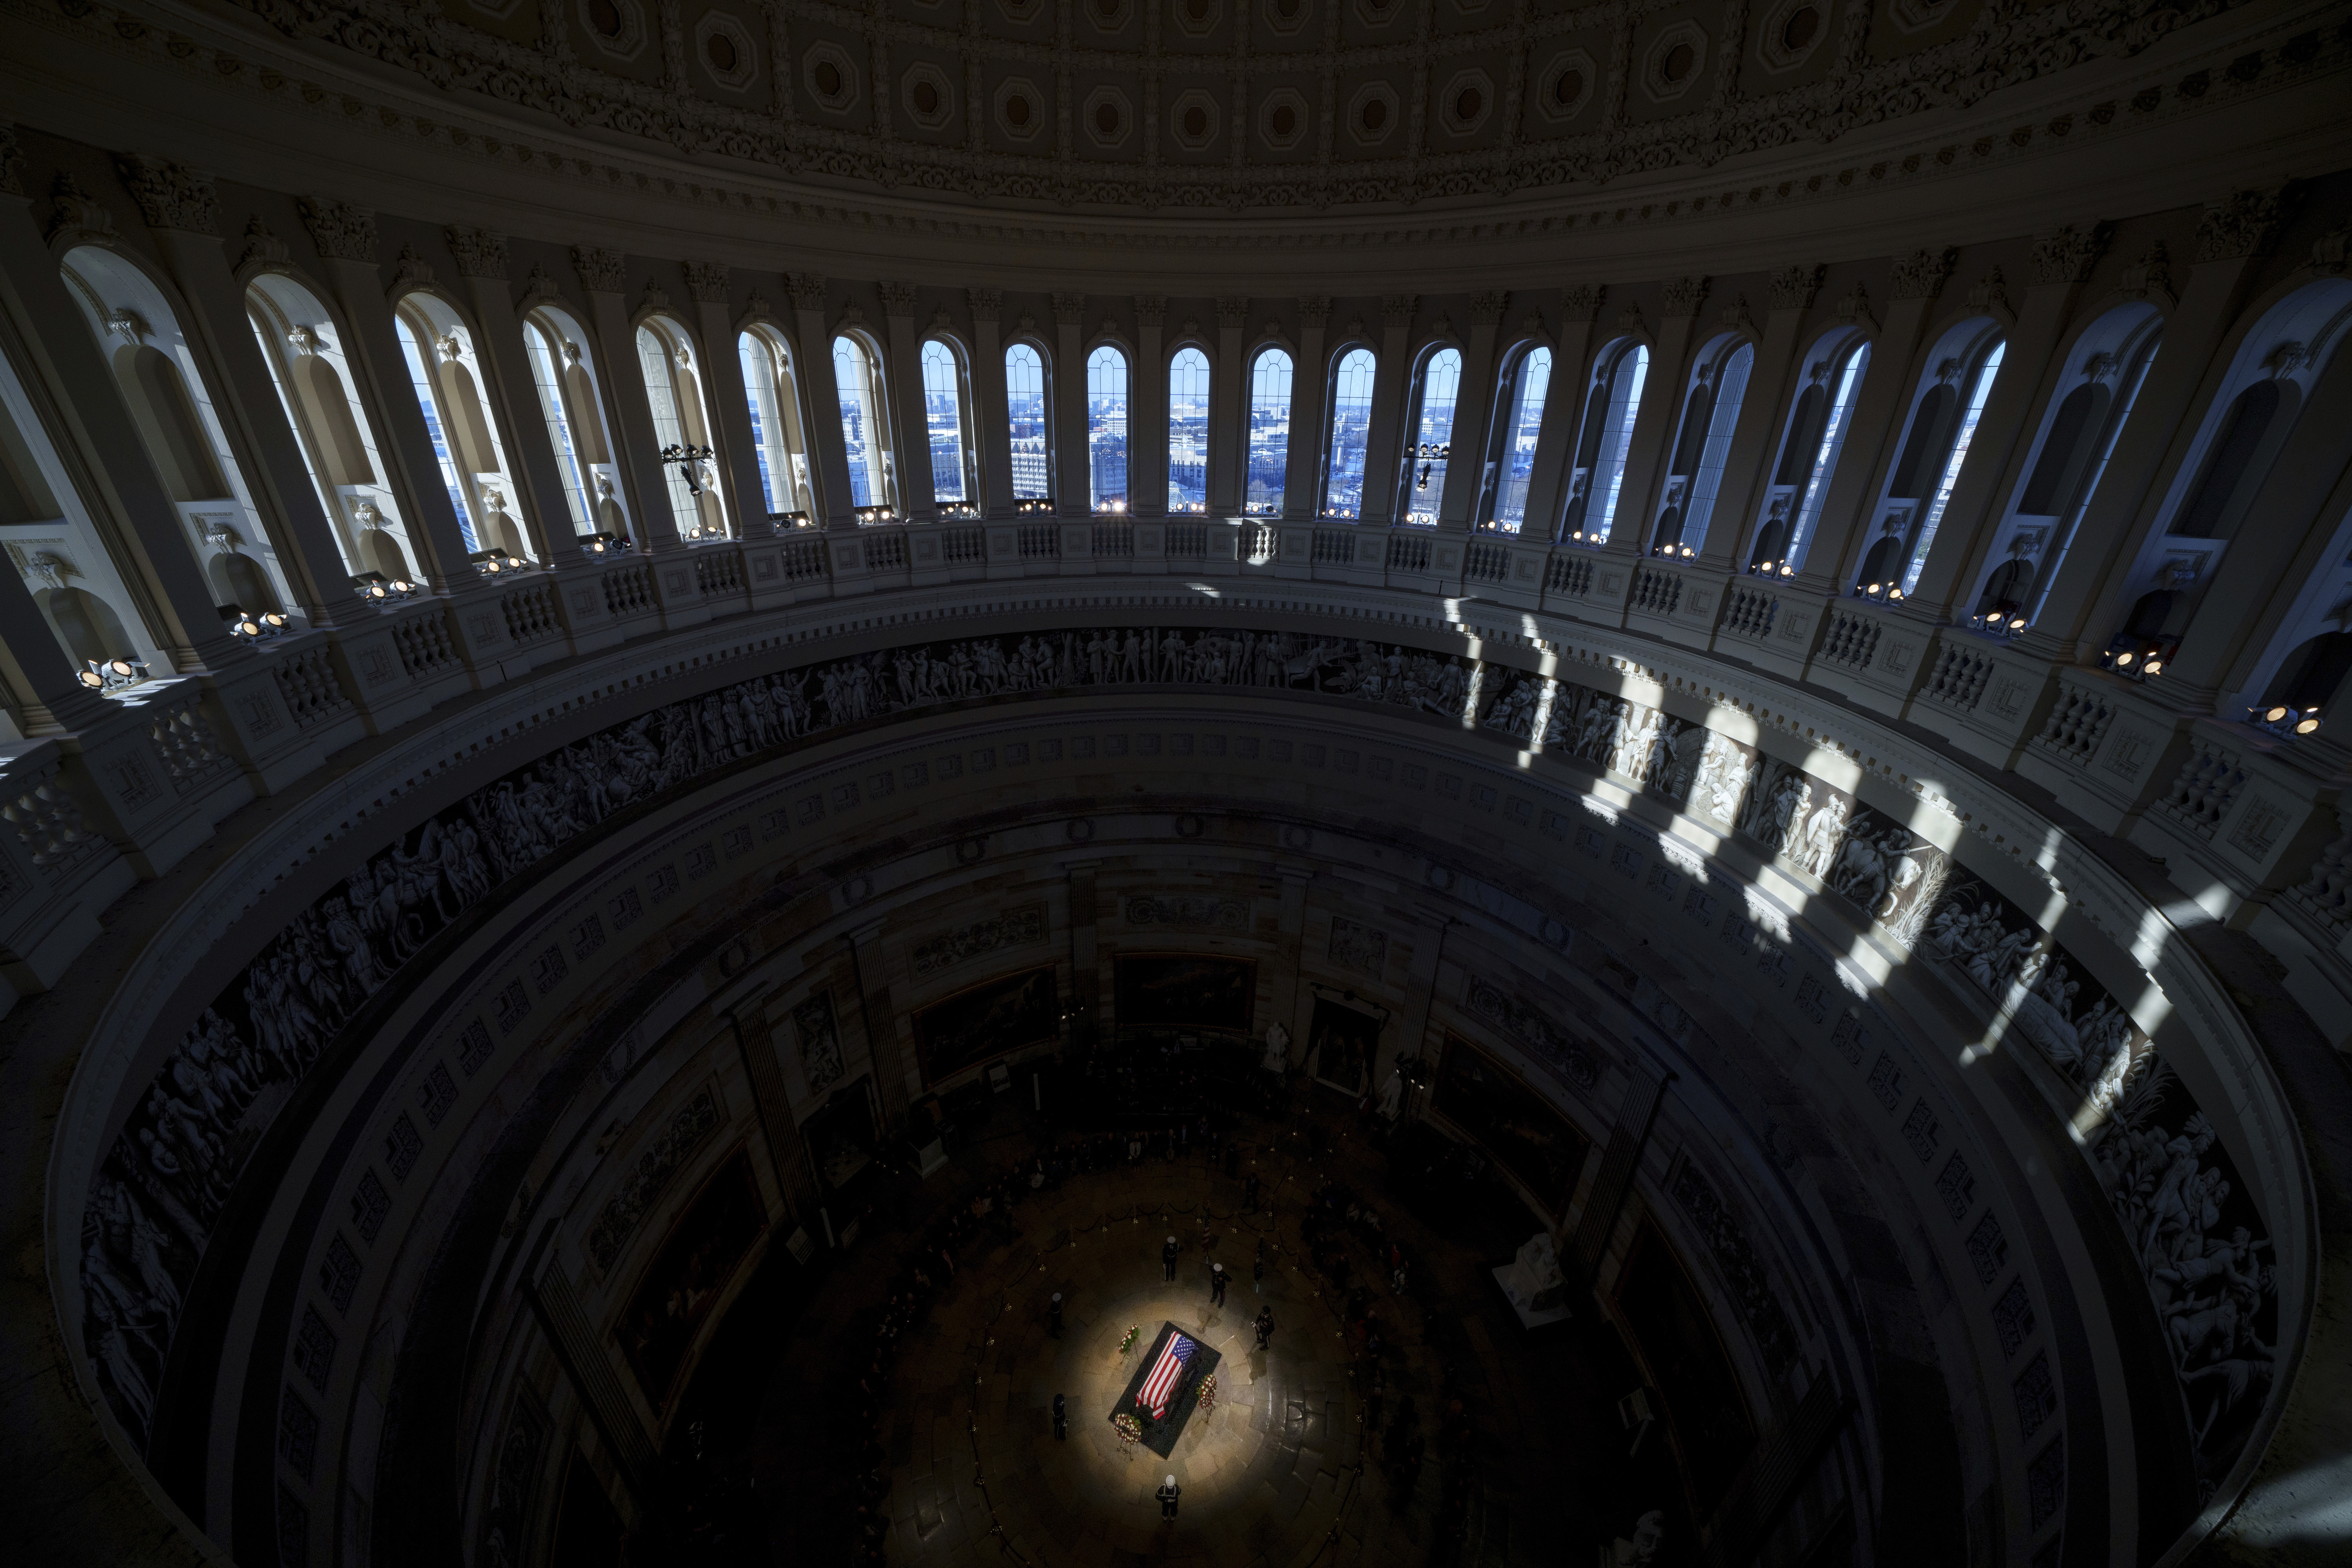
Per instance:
(1524,1131)
(680,1287)
(1184,991)
(987,1020)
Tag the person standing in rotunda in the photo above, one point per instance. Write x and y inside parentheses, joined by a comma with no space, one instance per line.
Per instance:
(1168,1492)
(1168,1259)
(1264,1326)
(1054,1322)
(1216,1284)
(1061,1420)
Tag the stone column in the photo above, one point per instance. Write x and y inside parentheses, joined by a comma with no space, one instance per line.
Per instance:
(636,442)
(183,214)
(918,499)
(1072,481)
(1147,412)
(1627,1138)
(1881,408)
(46,683)
(146,526)
(1563,407)
(514,391)
(1310,388)
(1085,973)
(589,1367)
(990,412)
(1291,1003)
(1747,467)
(823,431)
(1385,442)
(2083,601)
(755,1040)
(1466,468)
(1228,411)
(880,1022)
(2020,390)
(728,415)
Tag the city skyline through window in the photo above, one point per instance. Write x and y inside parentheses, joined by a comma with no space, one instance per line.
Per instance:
(1624,399)
(1425,485)
(1188,431)
(1269,433)
(858,379)
(943,418)
(1107,429)
(1026,421)
(1518,453)
(1351,431)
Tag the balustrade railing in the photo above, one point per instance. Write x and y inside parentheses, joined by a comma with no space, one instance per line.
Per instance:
(2076,724)
(628,591)
(47,820)
(1114,540)
(886,550)
(185,740)
(718,572)
(1482,562)
(1570,575)
(306,681)
(1041,541)
(963,546)
(1750,612)
(1851,640)
(1658,592)
(1334,547)
(531,613)
(1408,552)
(1960,676)
(2206,788)
(1188,540)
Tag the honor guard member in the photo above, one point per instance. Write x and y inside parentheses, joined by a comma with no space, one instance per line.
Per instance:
(1168,1492)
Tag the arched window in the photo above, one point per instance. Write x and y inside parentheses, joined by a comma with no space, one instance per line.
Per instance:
(679,420)
(773,393)
(1710,413)
(1029,420)
(157,371)
(945,416)
(1947,471)
(311,370)
(2210,512)
(865,428)
(1435,390)
(441,358)
(1615,400)
(1351,435)
(1519,402)
(1107,429)
(1269,433)
(1188,431)
(568,401)
(2307,680)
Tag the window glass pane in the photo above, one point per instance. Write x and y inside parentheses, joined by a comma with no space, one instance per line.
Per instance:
(1731,388)
(1624,400)
(943,416)
(423,381)
(269,356)
(1951,474)
(1817,479)
(544,375)
(1441,382)
(661,391)
(1269,432)
(1106,427)
(1188,431)
(853,373)
(1024,409)
(767,422)
(1518,449)
(2089,486)
(1351,430)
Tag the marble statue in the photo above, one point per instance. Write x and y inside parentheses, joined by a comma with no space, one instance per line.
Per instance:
(1278,1050)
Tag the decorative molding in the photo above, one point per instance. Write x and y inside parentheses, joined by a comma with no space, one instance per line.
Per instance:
(1013,928)
(1629,320)
(1150,310)
(1396,310)
(1793,287)
(706,281)
(987,304)
(688,1129)
(2242,223)
(1920,275)
(171,196)
(264,251)
(12,161)
(1069,308)
(602,271)
(1735,314)
(342,231)
(1991,295)
(410,269)
(1577,1062)
(1854,307)
(1314,310)
(654,297)
(2067,255)
(1487,305)
(1362,948)
(819,1037)
(539,287)
(2328,251)
(807,289)
(1581,301)
(897,300)
(1232,310)
(480,252)
(2151,274)
(1683,297)
(1188,913)
(1751,1284)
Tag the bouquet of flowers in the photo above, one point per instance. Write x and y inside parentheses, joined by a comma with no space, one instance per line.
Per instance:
(1208,1394)
(1128,1344)
(1131,1430)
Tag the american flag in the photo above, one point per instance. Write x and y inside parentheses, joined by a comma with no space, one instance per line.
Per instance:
(1165,1373)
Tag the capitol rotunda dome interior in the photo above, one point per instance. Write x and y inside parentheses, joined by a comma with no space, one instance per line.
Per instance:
(1213,783)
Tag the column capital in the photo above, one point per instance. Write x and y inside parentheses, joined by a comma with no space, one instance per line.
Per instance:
(1793,287)
(171,196)
(1685,296)
(807,289)
(706,281)
(342,231)
(1487,305)
(897,300)
(1069,307)
(1150,310)
(1581,301)
(1232,310)
(2065,255)
(986,304)
(1920,274)
(600,270)
(1314,310)
(480,252)
(2244,223)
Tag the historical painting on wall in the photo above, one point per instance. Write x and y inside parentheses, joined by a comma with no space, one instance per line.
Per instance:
(1685,1360)
(1512,1122)
(840,1135)
(1185,990)
(1344,1042)
(683,1283)
(820,1042)
(986,1021)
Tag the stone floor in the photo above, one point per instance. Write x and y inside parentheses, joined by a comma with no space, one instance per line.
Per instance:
(1276,1475)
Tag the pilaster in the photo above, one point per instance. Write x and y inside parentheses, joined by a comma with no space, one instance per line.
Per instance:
(1466,470)
(918,497)
(824,432)
(1310,385)
(991,411)
(1391,379)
